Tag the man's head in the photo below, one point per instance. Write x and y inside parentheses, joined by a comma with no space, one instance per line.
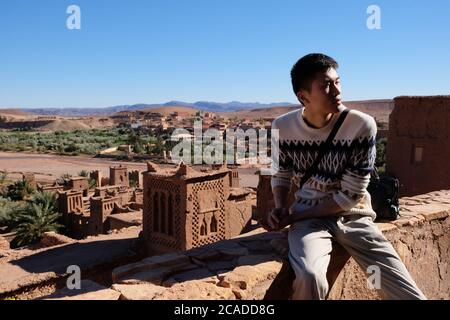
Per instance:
(316,83)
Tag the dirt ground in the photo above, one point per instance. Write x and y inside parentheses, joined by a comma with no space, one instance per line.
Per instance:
(49,167)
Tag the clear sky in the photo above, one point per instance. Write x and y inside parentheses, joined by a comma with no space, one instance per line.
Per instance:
(152,51)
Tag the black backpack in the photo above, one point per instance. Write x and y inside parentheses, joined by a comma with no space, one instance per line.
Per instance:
(384,192)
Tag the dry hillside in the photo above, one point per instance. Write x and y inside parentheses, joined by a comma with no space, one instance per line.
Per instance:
(255,114)
(17,119)
(165,111)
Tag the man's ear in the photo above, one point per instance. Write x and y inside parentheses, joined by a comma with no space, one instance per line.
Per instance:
(301,97)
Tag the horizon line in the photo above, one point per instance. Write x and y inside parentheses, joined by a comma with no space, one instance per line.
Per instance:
(162,104)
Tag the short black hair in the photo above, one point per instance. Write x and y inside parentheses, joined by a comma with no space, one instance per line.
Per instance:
(304,70)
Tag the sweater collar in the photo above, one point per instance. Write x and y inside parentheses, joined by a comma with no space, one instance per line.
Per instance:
(326,128)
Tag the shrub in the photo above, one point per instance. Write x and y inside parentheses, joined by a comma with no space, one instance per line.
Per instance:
(19,190)
(33,222)
(9,212)
(71,148)
(5,211)
(3,176)
(83,173)
(62,179)
(380,160)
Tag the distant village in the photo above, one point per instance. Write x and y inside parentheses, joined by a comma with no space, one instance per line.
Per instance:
(157,123)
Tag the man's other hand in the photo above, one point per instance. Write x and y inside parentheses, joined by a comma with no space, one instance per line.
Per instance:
(274,218)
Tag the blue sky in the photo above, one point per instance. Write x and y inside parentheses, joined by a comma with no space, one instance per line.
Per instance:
(155,51)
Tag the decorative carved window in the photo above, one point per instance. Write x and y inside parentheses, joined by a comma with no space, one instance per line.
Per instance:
(163,213)
(203,227)
(155,212)
(213,226)
(171,213)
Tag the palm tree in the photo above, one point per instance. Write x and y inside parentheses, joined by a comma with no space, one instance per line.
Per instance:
(47,200)
(34,221)
(9,212)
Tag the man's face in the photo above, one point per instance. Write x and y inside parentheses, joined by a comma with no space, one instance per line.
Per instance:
(325,93)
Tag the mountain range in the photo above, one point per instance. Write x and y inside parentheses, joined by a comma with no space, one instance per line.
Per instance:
(201,105)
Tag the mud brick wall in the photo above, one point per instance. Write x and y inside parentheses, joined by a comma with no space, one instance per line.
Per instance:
(418,149)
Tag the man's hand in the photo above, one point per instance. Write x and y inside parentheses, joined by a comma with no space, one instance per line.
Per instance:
(275,217)
(286,221)
(328,208)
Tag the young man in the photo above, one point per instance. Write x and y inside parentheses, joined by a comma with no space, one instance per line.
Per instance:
(334,203)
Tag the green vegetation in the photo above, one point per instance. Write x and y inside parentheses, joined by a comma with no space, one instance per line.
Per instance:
(38,216)
(3,176)
(380,161)
(133,183)
(90,141)
(19,190)
(27,212)
(7,211)
(46,200)
(92,182)
(62,179)
(30,219)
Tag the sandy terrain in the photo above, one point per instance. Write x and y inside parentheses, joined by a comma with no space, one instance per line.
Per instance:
(49,167)
(255,114)
(28,267)
(167,110)
(14,112)
(13,118)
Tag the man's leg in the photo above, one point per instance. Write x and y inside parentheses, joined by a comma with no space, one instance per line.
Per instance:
(360,236)
(309,253)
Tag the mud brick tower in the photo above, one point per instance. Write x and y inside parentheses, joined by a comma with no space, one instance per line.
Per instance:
(418,149)
(184,208)
(118,176)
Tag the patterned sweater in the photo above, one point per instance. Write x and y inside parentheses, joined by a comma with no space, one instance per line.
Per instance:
(344,172)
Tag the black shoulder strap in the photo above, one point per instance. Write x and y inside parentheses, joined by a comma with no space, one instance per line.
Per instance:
(324,147)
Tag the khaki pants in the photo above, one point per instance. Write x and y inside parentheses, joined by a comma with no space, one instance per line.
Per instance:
(310,243)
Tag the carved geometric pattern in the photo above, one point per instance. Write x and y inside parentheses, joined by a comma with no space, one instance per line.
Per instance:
(215,186)
(166,189)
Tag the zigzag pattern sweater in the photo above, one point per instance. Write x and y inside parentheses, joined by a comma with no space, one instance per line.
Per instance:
(344,172)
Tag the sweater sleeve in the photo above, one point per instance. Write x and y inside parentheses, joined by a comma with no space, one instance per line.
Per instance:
(284,167)
(356,176)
